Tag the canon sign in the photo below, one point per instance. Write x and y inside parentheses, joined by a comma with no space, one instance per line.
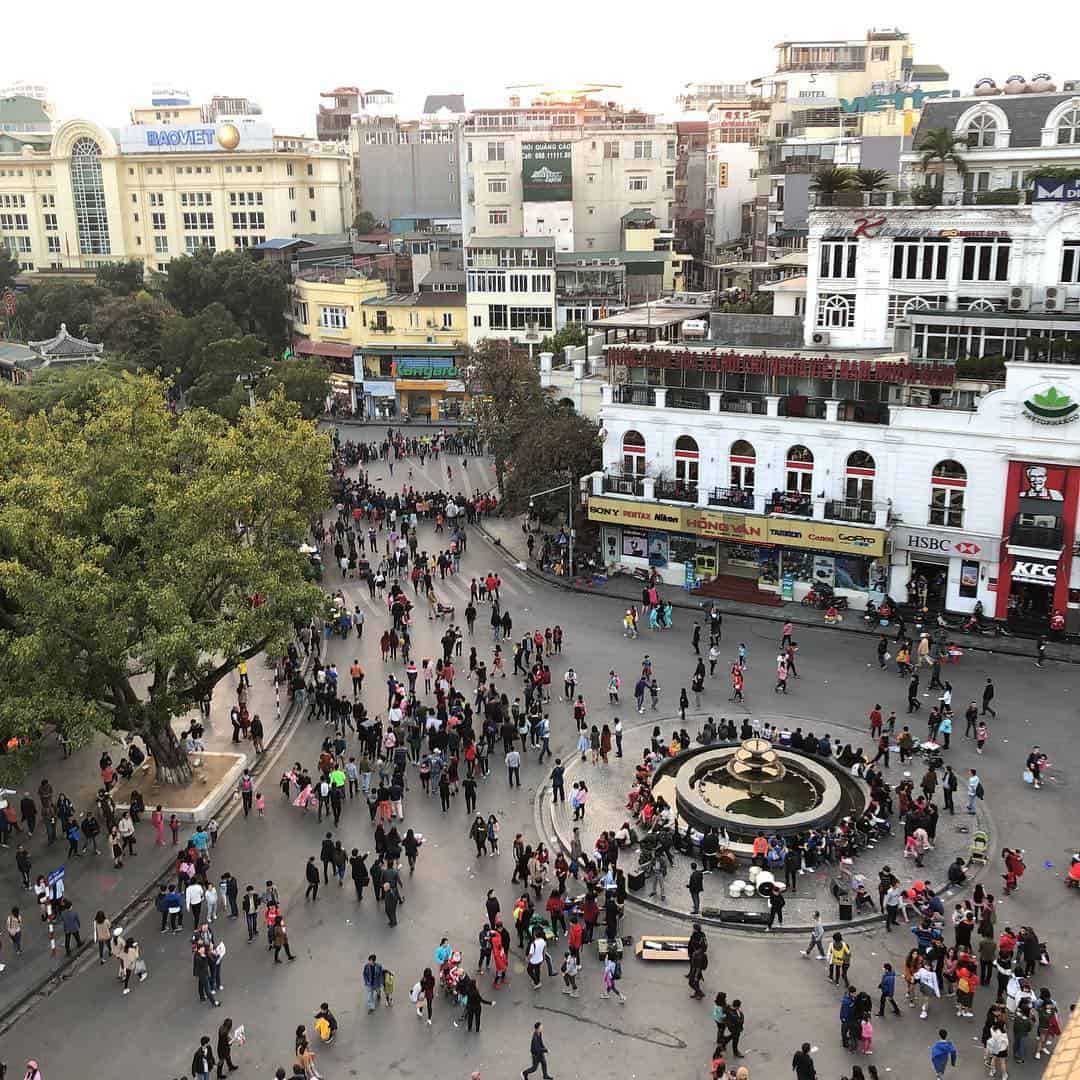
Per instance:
(1034,572)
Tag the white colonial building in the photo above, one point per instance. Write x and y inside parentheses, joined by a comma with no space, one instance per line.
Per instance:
(760,474)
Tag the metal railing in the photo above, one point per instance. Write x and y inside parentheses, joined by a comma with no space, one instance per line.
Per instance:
(918,197)
(676,491)
(624,485)
(687,399)
(634,395)
(858,511)
(740,498)
(731,404)
(789,502)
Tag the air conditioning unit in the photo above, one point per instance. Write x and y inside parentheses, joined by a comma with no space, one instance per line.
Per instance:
(820,337)
(1020,298)
(1054,298)
(613,262)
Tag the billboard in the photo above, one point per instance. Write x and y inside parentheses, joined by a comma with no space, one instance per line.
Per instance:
(198,138)
(545,172)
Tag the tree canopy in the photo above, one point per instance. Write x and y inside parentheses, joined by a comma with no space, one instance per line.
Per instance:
(535,442)
(120,278)
(142,555)
(9,267)
(367,222)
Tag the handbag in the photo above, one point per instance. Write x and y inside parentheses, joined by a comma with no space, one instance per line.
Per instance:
(140,967)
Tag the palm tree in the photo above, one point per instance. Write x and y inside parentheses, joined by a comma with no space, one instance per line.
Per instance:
(939,145)
(870,179)
(830,179)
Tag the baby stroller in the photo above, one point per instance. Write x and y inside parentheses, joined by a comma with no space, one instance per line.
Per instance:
(442,610)
(980,847)
(451,974)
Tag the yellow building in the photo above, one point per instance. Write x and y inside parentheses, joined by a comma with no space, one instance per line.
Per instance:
(392,354)
(85,195)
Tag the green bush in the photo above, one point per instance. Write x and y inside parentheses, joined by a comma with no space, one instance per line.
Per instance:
(999,197)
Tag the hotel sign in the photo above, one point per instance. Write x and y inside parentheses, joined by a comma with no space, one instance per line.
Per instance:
(811,367)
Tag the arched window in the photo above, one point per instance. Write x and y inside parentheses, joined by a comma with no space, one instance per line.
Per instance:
(633,449)
(981,131)
(948,481)
(743,458)
(859,478)
(88,191)
(836,310)
(799,471)
(686,460)
(1068,129)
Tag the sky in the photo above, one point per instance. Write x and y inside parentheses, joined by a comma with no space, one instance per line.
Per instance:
(99,59)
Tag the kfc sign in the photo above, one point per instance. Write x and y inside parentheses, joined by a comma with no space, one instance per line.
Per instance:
(1034,571)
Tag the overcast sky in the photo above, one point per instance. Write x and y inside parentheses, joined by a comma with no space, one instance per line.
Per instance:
(98,59)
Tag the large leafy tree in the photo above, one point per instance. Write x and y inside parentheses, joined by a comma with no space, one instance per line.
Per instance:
(46,306)
(75,386)
(227,367)
(131,327)
(507,398)
(121,278)
(307,382)
(184,341)
(9,267)
(142,556)
(255,293)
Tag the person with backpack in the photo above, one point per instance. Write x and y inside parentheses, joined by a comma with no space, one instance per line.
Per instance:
(326,1024)
(612,975)
(247,790)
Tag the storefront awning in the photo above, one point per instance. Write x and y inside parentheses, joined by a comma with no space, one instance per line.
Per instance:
(323,348)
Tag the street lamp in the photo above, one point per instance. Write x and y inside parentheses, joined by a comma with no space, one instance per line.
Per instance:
(569,488)
(250,379)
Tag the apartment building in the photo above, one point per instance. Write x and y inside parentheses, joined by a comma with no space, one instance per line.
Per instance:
(85,195)
(568,169)
(510,287)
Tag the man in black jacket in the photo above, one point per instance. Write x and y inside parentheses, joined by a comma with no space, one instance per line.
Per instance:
(539,1053)
(803,1064)
(311,873)
(203,1061)
(696,885)
(201,969)
(326,857)
(359,870)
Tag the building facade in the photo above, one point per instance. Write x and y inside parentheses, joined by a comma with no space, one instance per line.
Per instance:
(153,191)
(568,171)
(510,287)
(747,479)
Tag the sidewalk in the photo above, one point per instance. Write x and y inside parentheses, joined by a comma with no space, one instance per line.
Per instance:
(506,534)
(91,883)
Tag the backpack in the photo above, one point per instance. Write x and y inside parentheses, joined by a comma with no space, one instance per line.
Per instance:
(980,791)
(322,1028)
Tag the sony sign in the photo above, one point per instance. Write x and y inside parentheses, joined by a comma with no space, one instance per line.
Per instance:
(1034,572)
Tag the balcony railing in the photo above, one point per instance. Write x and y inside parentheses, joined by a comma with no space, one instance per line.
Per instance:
(687,399)
(857,511)
(1036,536)
(740,498)
(731,404)
(624,485)
(790,502)
(819,200)
(676,491)
(634,395)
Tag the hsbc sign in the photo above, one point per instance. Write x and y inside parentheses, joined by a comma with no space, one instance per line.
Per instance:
(937,543)
(1034,571)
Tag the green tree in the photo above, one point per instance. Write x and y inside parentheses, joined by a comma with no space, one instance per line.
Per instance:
(367,222)
(74,386)
(121,278)
(129,591)
(184,341)
(256,293)
(570,335)
(46,306)
(507,398)
(870,179)
(131,326)
(9,267)
(829,179)
(227,367)
(305,382)
(562,447)
(939,146)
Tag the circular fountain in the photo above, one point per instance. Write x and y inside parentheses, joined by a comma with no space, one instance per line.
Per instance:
(755,787)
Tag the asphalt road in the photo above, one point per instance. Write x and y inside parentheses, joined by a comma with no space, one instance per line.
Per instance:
(87,1027)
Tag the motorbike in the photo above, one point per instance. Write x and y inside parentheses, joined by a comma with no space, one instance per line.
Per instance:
(988,629)
(822,596)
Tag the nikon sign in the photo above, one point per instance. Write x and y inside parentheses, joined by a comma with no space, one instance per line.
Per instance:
(545,172)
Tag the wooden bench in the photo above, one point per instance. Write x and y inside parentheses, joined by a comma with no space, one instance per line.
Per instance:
(673,948)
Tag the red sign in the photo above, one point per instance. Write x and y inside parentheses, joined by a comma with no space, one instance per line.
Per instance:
(807,367)
(966,548)
(10,303)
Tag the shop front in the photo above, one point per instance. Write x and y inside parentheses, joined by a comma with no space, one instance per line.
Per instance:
(1039,533)
(429,387)
(943,569)
(779,554)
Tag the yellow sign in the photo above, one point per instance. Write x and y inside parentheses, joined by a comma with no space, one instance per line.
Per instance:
(823,536)
(722,525)
(421,385)
(740,528)
(624,512)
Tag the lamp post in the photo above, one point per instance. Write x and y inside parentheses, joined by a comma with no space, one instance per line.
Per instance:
(569,488)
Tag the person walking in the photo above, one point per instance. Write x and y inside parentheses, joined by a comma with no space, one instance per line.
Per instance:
(203,1060)
(280,940)
(612,974)
(839,959)
(817,936)
(311,874)
(942,1054)
(224,1047)
(987,698)
(887,986)
(423,994)
(538,1051)
(696,885)
(803,1063)
(202,970)
(373,982)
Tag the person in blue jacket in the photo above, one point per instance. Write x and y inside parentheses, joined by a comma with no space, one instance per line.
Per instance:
(887,986)
(942,1053)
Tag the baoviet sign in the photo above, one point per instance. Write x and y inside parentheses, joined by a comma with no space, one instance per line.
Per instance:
(807,367)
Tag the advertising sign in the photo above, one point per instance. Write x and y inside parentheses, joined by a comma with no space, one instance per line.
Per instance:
(427,367)
(1035,572)
(635,542)
(825,569)
(1051,406)
(787,587)
(658,549)
(937,543)
(651,515)
(200,138)
(1049,189)
(1041,484)
(820,536)
(969,579)
(716,524)
(546,172)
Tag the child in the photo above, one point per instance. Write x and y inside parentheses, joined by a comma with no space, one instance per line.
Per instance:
(981,733)
(286,785)
(212,829)
(260,803)
(174,828)
(866,1044)
(583,743)
(388,986)
(570,967)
